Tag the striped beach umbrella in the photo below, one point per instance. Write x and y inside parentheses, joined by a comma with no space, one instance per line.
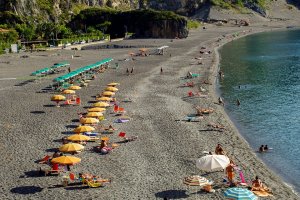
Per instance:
(195,180)
(239,194)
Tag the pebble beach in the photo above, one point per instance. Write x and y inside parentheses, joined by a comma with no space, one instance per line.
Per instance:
(153,166)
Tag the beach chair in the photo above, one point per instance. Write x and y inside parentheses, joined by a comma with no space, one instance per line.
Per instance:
(91,184)
(53,171)
(78,101)
(127,139)
(68,102)
(116,108)
(44,160)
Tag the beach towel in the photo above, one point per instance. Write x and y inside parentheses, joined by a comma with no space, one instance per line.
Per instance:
(242,177)
(262,193)
(121,120)
(90,133)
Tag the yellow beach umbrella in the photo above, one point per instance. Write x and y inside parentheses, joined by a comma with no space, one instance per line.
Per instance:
(96,109)
(103,99)
(100,104)
(113,84)
(111,89)
(89,120)
(81,129)
(74,87)
(78,137)
(71,147)
(107,93)
(57,99)
(66,160)
(68,92)
(94,114)
(104,138)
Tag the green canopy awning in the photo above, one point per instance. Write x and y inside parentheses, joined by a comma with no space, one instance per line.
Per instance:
(80,70)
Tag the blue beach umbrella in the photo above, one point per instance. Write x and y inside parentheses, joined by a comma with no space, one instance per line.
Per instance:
(239,194)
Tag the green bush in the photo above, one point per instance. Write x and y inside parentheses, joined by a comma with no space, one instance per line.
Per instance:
(7,38)
(193,24)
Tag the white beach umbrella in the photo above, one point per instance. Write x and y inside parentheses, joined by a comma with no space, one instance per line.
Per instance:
(212,162)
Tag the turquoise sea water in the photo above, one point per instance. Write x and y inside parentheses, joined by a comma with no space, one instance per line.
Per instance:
(263,72)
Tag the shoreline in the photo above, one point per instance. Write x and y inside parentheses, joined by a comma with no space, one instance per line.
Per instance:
(216,94)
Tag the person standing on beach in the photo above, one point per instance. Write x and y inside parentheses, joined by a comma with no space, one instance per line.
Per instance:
(69,69)
(131,70)
(161,70)
(230,172)
(221,102)
(127,71)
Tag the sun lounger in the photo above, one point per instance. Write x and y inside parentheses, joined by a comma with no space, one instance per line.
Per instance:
(46,172)
(262,193)
(127,139)
(44,160)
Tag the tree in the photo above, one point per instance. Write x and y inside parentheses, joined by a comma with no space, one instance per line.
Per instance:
(26,31)
(104,26)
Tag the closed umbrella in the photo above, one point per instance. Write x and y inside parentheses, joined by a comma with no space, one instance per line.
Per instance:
(81,129)
(212,162)
(96,109)
(66,160)
(78,137)
(89,120)
(107,93)
(239,194)
(111,89)
(100,104)
(57,99)
(71,147)
(94,114)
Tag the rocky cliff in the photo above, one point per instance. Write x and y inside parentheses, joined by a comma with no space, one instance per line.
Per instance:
(143,23)
(63,10)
